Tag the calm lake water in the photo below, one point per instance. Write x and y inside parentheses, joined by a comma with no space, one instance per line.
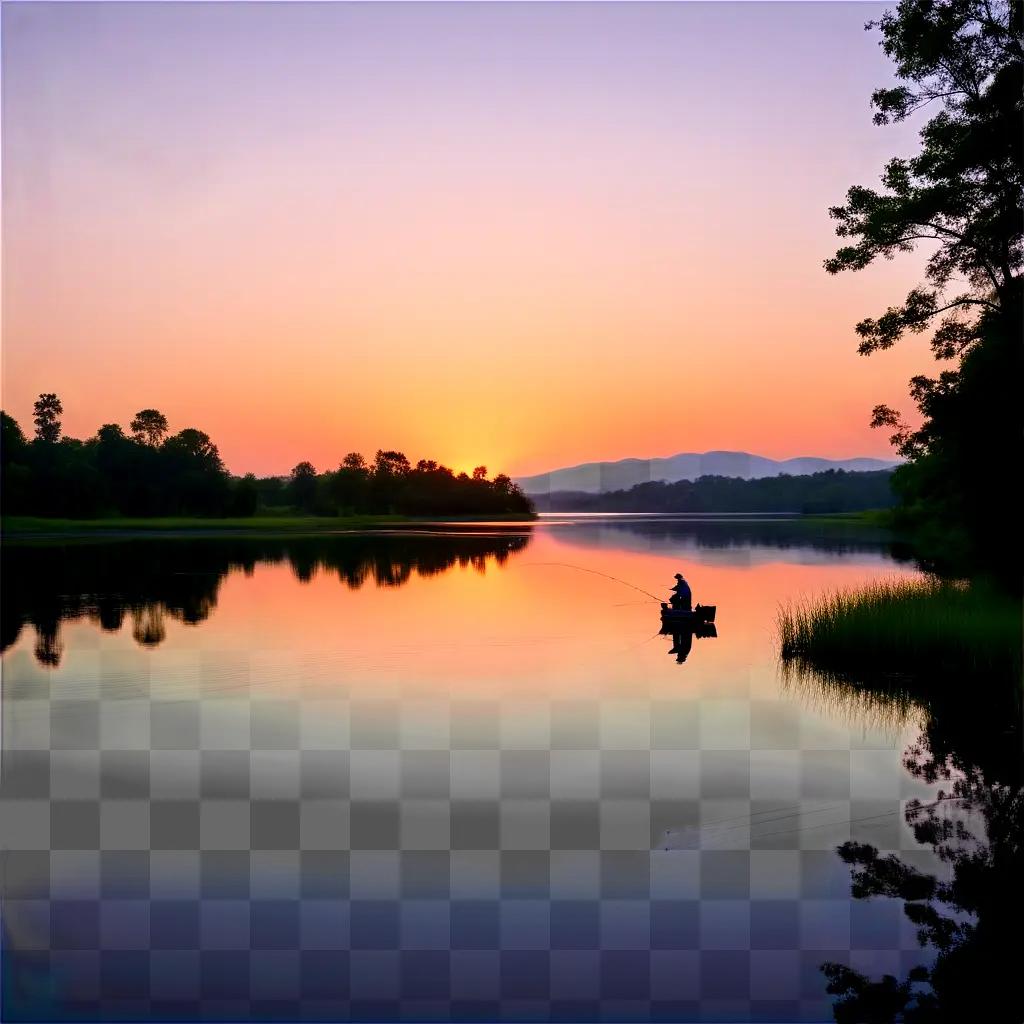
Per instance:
(444,774)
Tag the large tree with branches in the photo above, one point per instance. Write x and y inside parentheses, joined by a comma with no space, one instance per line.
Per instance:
(960,195)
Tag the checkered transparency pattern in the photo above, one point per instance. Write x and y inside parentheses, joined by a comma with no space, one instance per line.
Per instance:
(200,847)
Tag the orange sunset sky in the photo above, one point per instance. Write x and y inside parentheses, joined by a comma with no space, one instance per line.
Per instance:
(520,235)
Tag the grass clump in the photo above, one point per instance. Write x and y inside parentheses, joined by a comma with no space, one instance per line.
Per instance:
(921,627)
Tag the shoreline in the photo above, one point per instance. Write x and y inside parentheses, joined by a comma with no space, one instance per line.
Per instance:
(40,528)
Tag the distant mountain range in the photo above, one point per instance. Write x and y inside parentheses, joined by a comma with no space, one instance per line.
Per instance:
(599,477)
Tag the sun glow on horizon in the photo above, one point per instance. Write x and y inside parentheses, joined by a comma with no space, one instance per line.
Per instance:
(315,229)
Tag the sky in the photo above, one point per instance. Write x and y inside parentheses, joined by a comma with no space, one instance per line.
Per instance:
(518,235)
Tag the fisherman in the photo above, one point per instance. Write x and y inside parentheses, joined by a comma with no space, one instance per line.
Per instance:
(681,597)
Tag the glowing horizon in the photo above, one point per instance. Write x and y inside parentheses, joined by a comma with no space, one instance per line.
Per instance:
(524,236)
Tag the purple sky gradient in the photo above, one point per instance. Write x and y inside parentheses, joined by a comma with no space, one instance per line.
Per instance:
(446,228)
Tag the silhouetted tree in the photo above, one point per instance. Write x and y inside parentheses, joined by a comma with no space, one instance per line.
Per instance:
(388,463)
(14,459)
(13,446)
(194,444)
(110,434)
(48,410)
(244,496)
(302,486)
(117,465)
(349,485)
(117,474)
(149,426)
(387,480)
(195,472)
(962,194)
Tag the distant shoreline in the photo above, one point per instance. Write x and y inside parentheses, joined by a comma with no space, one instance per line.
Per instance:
(38,527)
(44,528)
(877,517)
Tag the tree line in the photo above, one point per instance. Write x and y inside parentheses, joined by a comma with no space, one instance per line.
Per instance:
(834,490)
(148,471)
(391,483)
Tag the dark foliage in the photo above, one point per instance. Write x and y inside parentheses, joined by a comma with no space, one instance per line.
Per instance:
(301,490)
(835,490)
(151,473)
(967,914)
(111,473)
(962,195)
(391,484)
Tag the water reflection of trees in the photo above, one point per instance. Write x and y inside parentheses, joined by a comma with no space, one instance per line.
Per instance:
(970,746)
(740,534)
(148,581)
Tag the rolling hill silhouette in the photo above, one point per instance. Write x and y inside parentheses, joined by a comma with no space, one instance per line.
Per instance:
(598,477)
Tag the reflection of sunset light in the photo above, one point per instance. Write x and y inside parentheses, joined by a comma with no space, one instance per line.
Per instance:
(527,629)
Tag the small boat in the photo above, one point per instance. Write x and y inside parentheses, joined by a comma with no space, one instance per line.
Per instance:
(685,616)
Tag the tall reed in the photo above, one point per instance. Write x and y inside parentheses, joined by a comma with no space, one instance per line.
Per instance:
(928,628)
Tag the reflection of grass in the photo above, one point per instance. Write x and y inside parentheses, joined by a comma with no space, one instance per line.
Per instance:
(886,705)
(924,628)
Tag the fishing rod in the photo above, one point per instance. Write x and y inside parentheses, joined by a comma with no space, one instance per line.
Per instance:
(709,831)
(594,572)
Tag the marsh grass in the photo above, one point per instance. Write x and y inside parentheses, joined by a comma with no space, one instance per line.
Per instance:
(927,629)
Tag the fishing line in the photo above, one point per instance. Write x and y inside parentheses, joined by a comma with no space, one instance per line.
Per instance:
(711,830)
(767,821)
(633,647)
(850,821)
(594,572)
(748,817)
(809,828)
(828,824)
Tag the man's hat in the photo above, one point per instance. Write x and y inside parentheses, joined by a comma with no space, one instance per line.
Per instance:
(679,575)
